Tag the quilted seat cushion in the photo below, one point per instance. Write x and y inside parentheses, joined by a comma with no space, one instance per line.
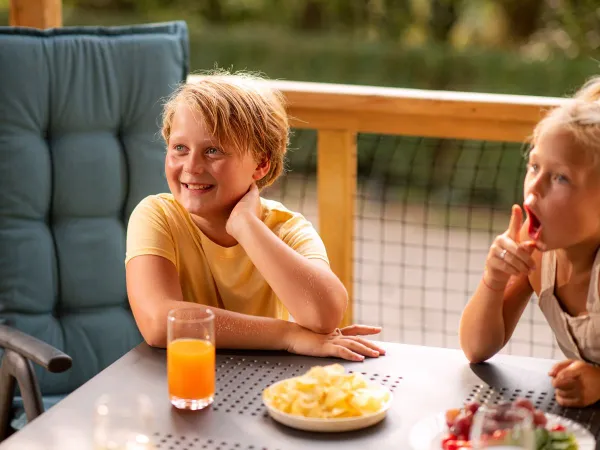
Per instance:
(79,148)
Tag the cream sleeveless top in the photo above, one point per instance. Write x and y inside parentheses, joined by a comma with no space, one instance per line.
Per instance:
(578,337)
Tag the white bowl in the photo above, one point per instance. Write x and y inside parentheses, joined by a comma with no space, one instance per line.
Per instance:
(428,433)
(329,425)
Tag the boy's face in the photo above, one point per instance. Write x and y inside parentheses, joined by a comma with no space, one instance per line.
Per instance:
(562,191)
(207,178)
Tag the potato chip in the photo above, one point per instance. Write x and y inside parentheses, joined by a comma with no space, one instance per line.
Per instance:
(327,392)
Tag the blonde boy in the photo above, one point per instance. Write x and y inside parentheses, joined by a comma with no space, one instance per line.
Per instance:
(214,241)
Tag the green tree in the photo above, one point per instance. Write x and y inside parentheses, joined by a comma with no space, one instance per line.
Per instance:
(443,16)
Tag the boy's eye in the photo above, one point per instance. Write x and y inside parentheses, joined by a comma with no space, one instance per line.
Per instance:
(212,151)
(532,167)
(179,147)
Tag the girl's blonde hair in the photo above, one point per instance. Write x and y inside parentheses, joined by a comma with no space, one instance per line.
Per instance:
(239,110)
(579,115)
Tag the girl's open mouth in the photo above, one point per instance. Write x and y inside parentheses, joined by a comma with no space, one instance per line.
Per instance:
(535,226)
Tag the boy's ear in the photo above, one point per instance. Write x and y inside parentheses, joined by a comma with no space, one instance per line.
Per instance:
(262,169)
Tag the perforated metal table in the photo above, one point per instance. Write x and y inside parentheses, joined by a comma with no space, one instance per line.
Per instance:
(424,380)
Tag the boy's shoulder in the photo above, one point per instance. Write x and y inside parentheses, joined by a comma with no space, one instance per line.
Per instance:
(158,203)
(278,217)
(274,210)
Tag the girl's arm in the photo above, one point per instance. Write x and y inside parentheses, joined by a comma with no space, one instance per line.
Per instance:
(490,318)
(491,315)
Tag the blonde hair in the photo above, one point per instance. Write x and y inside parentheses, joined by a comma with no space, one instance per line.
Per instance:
(240,110)
(579,115)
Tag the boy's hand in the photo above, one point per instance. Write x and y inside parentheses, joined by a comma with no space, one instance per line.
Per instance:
(508,256)
(345,343)
(576,383)
(249,205)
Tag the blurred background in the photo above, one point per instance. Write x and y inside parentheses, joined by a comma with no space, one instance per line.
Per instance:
(534,47)
(426,209)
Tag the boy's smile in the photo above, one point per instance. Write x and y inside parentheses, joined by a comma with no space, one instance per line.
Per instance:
(199,188)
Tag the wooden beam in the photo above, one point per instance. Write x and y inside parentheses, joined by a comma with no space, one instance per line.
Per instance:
(443,114)
(336,189)
(443,126)
(35,13)
(415,112)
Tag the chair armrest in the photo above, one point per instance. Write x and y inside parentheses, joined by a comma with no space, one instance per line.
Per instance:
(35,350)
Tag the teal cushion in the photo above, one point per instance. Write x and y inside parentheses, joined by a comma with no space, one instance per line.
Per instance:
(79,148)
(20,419)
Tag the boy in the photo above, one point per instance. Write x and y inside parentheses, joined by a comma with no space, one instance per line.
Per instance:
(214,242)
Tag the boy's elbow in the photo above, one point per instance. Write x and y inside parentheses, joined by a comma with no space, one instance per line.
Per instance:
(154,340)
(324,328)
(330,318)
(152,334)
(338,305)
(318,323)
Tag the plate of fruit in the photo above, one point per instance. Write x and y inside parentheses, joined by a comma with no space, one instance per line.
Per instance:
(453,429)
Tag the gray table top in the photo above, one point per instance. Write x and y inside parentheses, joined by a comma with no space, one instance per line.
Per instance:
(425,381)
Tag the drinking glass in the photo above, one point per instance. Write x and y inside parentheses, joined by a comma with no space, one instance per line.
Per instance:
(503,427)
(191,357)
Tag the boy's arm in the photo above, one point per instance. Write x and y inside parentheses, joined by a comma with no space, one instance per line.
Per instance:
(153,289)
(311,292)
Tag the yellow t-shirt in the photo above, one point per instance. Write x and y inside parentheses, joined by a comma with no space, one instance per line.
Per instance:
(223,277)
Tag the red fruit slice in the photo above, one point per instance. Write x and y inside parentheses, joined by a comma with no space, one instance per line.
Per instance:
(449,444)
(448,438)
(451,415)
(524,403)
(499,435)
(472,407)
(462,424)
(539,418)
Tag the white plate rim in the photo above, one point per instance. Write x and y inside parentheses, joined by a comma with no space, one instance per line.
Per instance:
(318,422)
(436,423)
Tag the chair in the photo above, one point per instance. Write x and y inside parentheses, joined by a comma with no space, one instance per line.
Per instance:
(79,148)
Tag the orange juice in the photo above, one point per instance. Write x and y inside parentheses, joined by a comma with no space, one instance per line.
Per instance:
(191,369)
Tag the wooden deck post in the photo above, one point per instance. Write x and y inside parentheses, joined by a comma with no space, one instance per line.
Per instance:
(35,13)
(336,188)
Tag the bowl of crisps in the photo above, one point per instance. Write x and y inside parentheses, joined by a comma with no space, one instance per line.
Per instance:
(327,399)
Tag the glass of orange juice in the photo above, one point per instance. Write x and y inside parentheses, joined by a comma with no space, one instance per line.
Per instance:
(191,357)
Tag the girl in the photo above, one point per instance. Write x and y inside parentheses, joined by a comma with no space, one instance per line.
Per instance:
(555,253)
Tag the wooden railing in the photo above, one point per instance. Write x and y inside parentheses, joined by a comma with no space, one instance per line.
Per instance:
(340,112)
(35,13)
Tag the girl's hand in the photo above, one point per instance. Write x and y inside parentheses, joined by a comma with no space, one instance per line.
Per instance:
(508,256)
(343,343)
(576,383)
